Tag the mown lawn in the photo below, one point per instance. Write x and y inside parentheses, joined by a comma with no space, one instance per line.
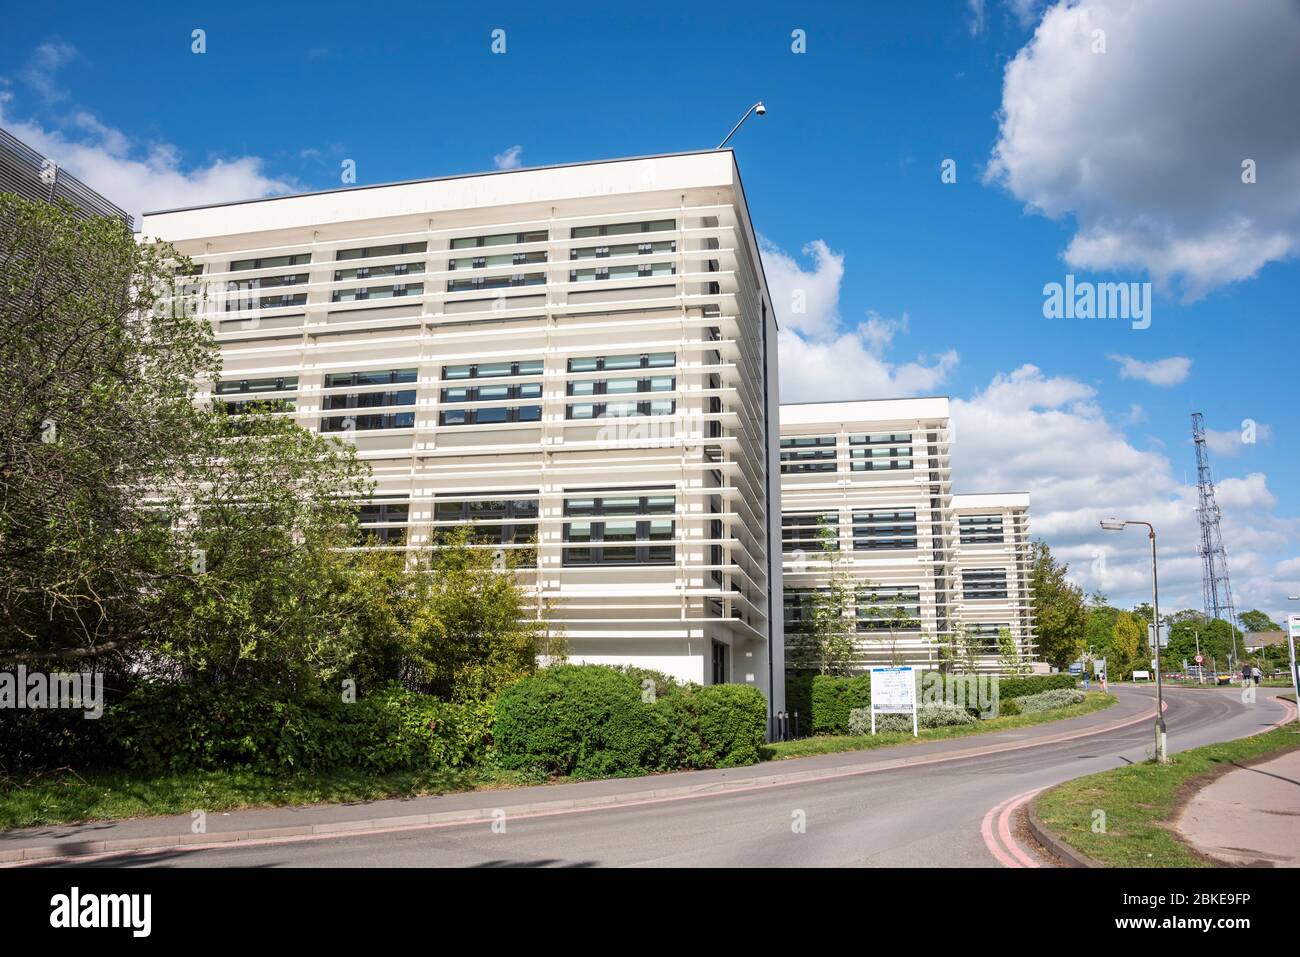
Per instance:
(1141,801)
(831,744)
(65,797)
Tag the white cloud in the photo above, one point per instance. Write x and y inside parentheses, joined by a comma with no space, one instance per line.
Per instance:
(824,358)
(1232,442)
(1164,372)
(139,177)
(43,65)
(511,158)
(976,10)
(1028,431)
(1144,144)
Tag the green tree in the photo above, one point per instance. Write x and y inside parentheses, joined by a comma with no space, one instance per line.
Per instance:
(1256,620)
(1059,613)
(832,630)
(1010,661)
(473,630)
(97,391)
(1127,640)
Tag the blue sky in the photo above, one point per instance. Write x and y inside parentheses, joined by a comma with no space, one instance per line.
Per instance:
(1113,167)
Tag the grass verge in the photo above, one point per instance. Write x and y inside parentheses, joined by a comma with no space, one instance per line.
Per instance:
(831,744)
(66,798)
(1142,800)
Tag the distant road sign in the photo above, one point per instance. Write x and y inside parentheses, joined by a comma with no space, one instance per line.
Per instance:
(1200,659)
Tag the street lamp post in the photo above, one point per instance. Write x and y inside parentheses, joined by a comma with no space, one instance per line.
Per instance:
(758,108)
(1295,665)
(1117,525)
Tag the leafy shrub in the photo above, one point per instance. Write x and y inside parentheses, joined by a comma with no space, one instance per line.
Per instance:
(1008,708)
(595,721)
(927,716)
(182,727)
(1048,700)
(833,698)
(732,723)
(798,700)
(1032,684)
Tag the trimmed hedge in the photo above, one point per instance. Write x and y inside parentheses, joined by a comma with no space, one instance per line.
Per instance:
(1033,684)
(179,727)
(591,721)
(834,697)
(1048,700)
(798,699)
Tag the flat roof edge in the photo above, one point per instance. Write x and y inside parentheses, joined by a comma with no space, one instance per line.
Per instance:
(438,179)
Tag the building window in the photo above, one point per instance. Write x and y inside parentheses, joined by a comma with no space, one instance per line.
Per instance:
(496,282)
(374,252)
(377,292)
(259,405)
(799,604)
(240,294)
(492,393)
(612,529)
(884,529)
(383,523)
(494,415)
(270,262)
(369,400)
(508,519)
(888,609)
(488,370)
(643,360)
(500,239)
(980,529)
(502,259)
(987,635)
(266,302)
(984,583)
(368,423)
(623,229)
(257,385)
(624,249)
(873,453)
(377,377)
(379,272)
(630,271)
(814,453)
(809,532)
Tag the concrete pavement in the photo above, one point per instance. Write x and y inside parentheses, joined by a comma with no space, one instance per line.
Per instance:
(1249,816)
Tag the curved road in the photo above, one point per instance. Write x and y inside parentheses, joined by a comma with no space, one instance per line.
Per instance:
(934,814)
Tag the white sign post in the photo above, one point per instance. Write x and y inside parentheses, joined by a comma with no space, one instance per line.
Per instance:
(893,691)
(1293,633)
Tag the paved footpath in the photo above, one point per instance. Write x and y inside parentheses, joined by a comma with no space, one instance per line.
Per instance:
(1250,816)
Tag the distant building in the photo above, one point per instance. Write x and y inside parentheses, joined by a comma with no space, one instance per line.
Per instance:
(1258,640)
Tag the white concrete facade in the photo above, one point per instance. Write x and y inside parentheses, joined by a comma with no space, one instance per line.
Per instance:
(580,360)
(876,477)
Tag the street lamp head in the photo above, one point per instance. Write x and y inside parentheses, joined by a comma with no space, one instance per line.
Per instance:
(759,108)
(1113,524)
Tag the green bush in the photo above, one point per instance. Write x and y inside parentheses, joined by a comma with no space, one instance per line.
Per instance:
(591,721)
(927,716)
(732,723)
(183,727)
(798,699)
(1048,700)
(833,698)
(1008,708)
(1033,684)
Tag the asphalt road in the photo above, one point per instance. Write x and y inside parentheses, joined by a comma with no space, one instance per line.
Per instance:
(926,816)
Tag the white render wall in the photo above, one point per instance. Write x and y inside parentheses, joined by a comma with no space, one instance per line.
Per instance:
(711,313)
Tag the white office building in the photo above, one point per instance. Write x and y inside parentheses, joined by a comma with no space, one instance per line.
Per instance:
(581,357)
(867,500)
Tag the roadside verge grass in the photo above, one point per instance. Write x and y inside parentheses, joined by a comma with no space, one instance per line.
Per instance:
(67,798)
(1141,802)
(834,743)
